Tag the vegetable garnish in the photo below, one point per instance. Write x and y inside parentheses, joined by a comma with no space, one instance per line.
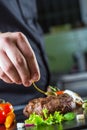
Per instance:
(69,116)
(45,113)
(49,119)
(59,92)
(6,114)
(41,91)
(84,101)
(54,89)
(84,106)
(9,119)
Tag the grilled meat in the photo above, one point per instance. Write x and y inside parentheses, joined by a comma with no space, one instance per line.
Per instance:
(62,103)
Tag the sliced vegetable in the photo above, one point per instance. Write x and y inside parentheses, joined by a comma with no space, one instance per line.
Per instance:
(9,119)
(28,125)
(55,90)
(59,92)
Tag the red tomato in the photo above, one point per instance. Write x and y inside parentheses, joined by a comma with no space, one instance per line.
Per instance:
(2,117)
(6,107)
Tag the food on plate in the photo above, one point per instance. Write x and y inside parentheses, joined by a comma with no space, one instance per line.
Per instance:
(63,103)
(49,110)
(9,119)
(54,118)
(84,106)
(80,117)
(56,107)
(20,125)
(77,99)
(7,115)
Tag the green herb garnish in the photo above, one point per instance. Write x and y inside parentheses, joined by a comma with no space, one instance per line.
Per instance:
(45,113)
(54,89)
(49,119)
(69,116)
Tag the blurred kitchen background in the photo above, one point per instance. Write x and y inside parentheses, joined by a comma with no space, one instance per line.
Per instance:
(64,23)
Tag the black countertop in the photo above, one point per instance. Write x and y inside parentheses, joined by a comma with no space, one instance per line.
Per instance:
(67,125)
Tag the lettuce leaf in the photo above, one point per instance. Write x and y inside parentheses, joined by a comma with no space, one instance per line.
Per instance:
(49,119)
(69,116)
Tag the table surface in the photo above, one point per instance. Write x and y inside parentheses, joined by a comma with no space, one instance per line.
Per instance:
(67,125)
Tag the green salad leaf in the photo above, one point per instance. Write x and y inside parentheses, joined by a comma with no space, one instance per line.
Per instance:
(45,113)
(69,116)
(58,118)
(34,119)
(49,119)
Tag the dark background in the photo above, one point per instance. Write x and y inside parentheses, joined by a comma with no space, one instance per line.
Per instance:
(58,12)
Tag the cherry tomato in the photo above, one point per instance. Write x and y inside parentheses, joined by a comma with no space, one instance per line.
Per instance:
(2,117)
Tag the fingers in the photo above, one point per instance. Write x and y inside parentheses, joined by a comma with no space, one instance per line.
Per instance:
(19,62)
(17,59)
(8,71)
(29,55)
(4,77)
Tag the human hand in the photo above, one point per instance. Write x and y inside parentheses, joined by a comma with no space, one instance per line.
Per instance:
(18,63)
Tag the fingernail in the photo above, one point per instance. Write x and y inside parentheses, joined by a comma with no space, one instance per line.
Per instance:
(35,77)
(19,82)
(28,83)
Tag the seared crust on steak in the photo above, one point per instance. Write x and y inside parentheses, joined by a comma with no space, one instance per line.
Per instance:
(62,103)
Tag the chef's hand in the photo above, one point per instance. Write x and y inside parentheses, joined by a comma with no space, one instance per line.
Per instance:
(18,63)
